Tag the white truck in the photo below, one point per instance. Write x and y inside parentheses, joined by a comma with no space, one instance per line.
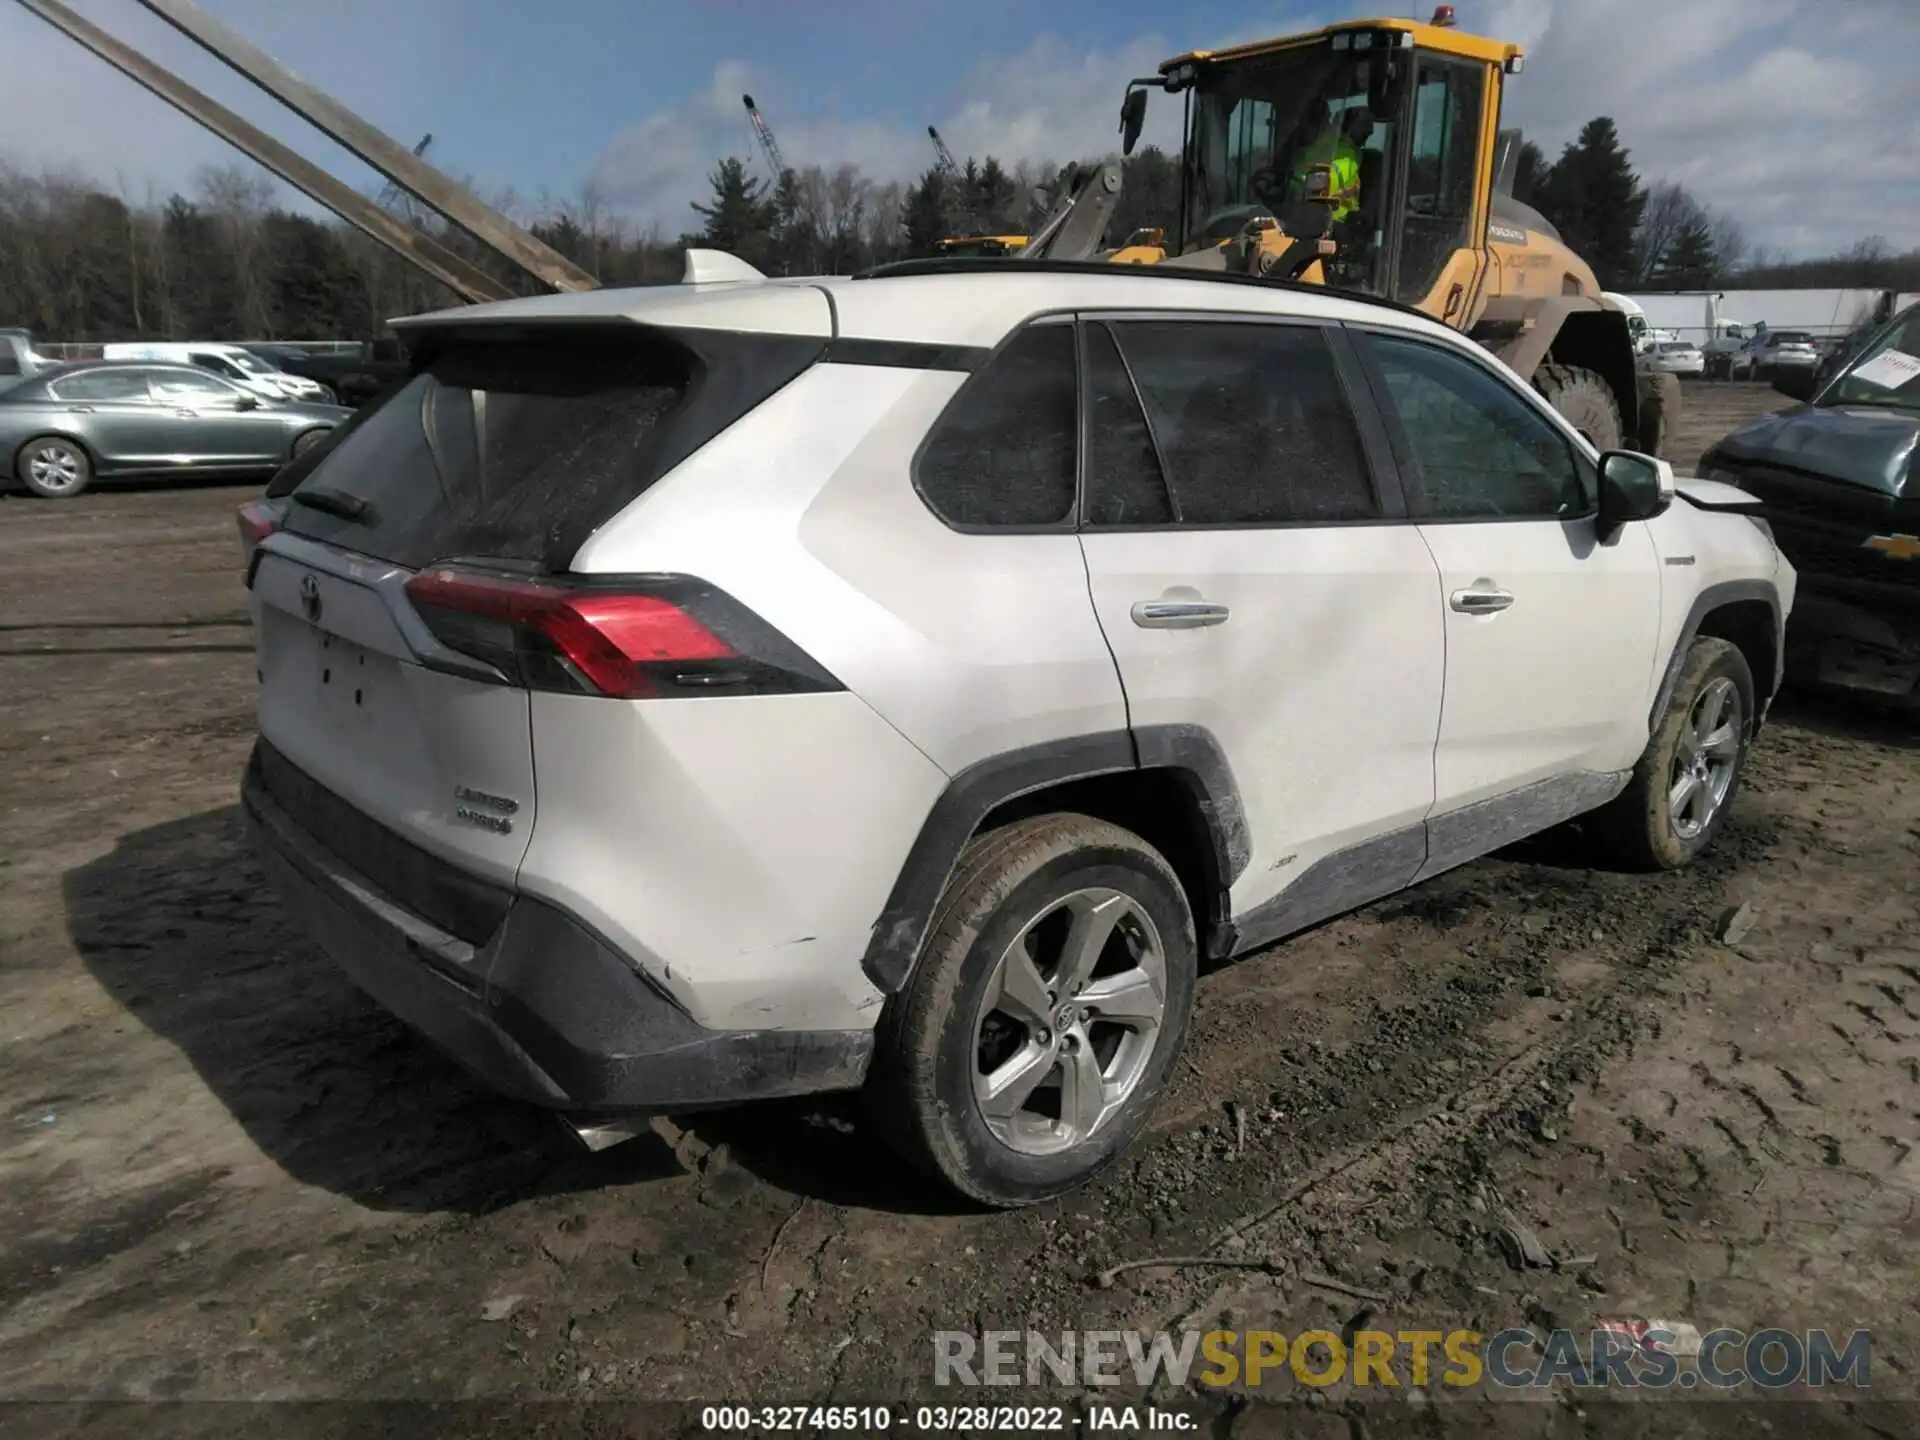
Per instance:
(18,358)
(239,365)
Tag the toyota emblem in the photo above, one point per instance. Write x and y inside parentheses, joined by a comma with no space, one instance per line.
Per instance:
(310,598)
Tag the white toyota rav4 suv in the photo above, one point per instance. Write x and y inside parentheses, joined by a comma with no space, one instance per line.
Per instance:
(674,697)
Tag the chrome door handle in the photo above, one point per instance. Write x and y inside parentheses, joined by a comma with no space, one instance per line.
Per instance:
(80,409)
(1480,602)
(1176,614)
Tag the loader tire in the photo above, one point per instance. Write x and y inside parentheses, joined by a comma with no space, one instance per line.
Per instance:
(1660,403)
(1585,400)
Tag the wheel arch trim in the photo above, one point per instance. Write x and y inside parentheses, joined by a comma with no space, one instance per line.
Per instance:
(1715,597)
(1188,752)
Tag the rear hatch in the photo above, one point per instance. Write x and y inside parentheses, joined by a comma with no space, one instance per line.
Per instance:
(415,587)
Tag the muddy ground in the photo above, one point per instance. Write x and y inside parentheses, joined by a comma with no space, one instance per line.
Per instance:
(225,1175)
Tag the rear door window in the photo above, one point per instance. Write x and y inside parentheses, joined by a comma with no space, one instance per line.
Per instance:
(1245,424)
(518,448)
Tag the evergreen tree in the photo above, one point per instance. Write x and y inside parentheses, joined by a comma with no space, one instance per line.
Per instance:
(925,214)
(1529,172)
(1690,262)
(1149,197)
(1595,199)
(740,219)
(995,198)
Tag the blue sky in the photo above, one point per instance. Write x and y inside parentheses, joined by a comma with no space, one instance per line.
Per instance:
(1778,110)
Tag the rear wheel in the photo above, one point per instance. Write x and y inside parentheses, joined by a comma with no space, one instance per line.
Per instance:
(1052,995)
(1586,400)
(54,467)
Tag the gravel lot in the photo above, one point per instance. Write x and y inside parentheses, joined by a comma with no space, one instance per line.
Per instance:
(226,1175)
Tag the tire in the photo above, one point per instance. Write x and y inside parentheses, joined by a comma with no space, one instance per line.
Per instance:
(1640,828)
(307,439)
(957,1023)
(1585,400)
(54,467)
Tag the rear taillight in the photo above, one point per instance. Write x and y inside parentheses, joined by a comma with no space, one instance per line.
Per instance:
(257,519)
(631,638)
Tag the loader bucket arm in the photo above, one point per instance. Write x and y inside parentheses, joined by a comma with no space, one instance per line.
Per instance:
(1078,224)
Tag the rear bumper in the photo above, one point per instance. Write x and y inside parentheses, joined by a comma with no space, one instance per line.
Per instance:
(543,1010)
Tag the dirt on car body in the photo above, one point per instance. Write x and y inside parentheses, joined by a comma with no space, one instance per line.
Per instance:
(224,1174)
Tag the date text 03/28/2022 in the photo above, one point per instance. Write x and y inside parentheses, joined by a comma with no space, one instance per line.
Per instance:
(941,1419)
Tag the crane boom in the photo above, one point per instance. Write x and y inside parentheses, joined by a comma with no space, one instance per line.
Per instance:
(764,133)
(943,161)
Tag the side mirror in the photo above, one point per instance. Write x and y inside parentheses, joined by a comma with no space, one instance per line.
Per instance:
(246,402)
(1795,383)
(1133,115)
(1632,487)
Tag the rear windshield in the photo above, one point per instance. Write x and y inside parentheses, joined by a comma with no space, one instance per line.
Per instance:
(1790,337)
(518,448)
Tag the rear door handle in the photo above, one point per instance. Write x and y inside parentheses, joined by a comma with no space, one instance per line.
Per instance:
(1479,601)
(80,409)
(1176,614)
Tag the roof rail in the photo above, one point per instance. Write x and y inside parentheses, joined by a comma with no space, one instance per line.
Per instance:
(975,265)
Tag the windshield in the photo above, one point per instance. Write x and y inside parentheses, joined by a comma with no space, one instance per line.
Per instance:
(250,363)
(1887,372)
(1260,126)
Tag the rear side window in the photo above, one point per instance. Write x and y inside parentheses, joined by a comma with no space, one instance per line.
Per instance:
(1250,425)
(517,449)
(101,385)
(1003,454)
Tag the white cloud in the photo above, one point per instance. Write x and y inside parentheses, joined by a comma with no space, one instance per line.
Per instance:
(1046,103)
(1795,118)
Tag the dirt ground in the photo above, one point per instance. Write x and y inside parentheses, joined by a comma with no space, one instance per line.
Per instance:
(225,1175)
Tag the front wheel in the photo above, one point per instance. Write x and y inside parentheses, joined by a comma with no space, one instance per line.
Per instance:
(1052,994)
(306,441)
(1684,785)
(54,467)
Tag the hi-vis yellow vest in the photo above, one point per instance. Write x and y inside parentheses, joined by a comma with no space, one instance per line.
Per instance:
(1342,158)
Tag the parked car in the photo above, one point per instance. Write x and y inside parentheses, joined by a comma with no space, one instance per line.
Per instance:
(1772,351)
(232,362)
(1680,357)
(1840,476)
(66,427)
(905,681)
(18,358)
(355,376)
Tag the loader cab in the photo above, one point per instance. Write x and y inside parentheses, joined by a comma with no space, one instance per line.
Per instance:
(1408,111)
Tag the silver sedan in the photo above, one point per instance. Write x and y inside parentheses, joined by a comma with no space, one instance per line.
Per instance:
(63,428)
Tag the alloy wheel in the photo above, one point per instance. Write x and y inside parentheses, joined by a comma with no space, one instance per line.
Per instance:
(1069,1021)
(1705,759)
(55,468)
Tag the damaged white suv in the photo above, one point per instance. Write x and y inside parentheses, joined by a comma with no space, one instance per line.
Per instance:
(680,696)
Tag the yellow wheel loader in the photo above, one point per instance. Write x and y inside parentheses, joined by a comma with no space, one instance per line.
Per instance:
(1368,156)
